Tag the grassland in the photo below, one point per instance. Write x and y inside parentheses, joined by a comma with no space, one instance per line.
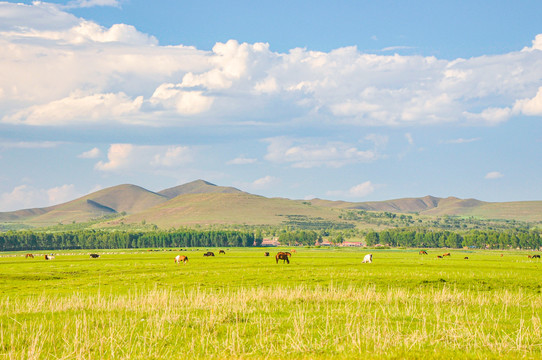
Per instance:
(325,304)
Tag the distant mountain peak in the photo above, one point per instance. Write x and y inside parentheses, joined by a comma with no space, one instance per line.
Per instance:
(197,187)
(200,182)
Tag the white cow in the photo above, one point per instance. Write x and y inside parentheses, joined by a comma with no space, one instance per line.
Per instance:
(368,259)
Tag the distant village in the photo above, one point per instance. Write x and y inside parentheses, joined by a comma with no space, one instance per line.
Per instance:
(275,242)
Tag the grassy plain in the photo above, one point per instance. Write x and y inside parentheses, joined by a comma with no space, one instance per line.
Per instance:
(324,304)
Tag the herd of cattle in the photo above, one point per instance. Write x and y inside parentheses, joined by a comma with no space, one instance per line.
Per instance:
(281,255)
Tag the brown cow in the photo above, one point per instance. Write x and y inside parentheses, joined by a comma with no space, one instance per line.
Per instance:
(209,253)
(267,253)
(180,258)
(423,252)
(29,256)
(294,251)
(447,254)
(466,257)
(440,257)
(221,252)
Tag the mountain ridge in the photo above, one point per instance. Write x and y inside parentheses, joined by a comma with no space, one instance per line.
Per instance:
(201,202)
(196,187)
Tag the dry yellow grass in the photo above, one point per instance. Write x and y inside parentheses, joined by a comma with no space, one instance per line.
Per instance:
(293,322)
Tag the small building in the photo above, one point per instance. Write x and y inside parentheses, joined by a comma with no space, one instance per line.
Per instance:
(271,241)
(352,244)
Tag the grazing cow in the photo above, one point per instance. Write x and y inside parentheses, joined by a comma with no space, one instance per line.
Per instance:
(502,255)
(221,252)
(49,257)
(466,257)
(294,251)
(367,259)
(180,258)
(447,254)
(529,256)
(283,256)
(94,256)
(536,256)
(440,257)
(423,252)
(29,256)
(267,253)
(209,253)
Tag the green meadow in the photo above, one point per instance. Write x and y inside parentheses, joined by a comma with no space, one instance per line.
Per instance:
(136,304)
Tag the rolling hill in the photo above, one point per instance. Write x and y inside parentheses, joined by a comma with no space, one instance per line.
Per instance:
(197,187)
(202,203)
(113,200)
(229,208)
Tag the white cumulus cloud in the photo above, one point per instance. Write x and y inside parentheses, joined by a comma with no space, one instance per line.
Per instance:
(172,157)
(306,153)
(91,154)
(30,144)
(362,190)
(26,196)
(131,157)
(119,74)
(461,141)
(409,138)
(92,3)
(61,194)
(356,191)
(182,101)
(242,160)
(532,106)
(74,109)
(263,182)
(493,175)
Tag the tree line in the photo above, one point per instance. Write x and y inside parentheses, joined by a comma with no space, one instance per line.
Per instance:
(302,237)
(513,239)
(102,239)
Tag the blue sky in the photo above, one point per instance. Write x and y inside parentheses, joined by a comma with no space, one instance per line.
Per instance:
(351,100)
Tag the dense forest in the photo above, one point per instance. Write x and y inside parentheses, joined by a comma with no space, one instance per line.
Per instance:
(101,239)
(510,239)
(405,237)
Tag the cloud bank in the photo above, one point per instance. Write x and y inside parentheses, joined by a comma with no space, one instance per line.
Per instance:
(26,196)
(306,153)
(66,71)
(357,191)
(128,157)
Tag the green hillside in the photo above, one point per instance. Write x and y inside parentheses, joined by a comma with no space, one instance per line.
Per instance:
(451,206)
(202,203)
(117,199)
(426,204)
(197,187)
(518,210)
(230,208)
